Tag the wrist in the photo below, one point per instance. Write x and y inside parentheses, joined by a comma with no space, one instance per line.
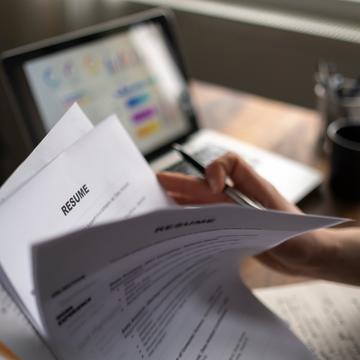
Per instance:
(338,259)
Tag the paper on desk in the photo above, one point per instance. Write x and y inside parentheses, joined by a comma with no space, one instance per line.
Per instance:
(165,286)
(104,170)
(17,335)
(70,128)
(324,315)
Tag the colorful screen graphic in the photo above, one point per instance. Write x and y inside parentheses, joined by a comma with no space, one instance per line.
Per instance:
(132,75)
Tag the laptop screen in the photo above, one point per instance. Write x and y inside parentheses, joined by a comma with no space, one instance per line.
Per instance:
(131,74)
(131,67)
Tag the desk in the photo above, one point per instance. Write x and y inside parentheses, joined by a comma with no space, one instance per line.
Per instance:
(282,128)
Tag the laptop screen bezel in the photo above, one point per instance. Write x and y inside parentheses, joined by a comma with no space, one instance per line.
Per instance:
(19,90)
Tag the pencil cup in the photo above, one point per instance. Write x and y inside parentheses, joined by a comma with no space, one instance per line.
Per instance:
(344,145)
(337,97)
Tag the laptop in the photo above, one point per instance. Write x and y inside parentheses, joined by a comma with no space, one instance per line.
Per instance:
(132,67)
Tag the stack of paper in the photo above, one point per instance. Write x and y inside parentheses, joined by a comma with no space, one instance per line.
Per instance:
(324,315)
(105,266)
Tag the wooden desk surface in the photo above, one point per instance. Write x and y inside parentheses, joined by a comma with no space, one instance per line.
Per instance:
(284,129)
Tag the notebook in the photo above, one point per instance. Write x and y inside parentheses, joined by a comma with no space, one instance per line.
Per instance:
(132,67)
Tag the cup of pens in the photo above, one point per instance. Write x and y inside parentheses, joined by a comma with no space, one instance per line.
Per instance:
(339,107)
(337,97)
(344,150)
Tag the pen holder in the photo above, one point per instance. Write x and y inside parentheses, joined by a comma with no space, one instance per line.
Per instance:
(337,97)
(344,140)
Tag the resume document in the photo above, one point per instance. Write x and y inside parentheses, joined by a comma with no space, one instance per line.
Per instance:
(107,267)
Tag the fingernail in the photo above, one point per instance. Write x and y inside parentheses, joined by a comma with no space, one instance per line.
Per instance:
(213,185)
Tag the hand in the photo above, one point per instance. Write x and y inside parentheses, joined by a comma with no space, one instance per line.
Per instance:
(316,254)
(194,190)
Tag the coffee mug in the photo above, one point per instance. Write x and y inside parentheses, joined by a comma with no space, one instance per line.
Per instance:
(344,141)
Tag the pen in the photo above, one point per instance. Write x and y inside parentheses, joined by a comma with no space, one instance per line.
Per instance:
(233,194)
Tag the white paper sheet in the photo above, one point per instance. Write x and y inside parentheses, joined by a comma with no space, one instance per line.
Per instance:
(324,315)
(165,286)
(17,335)
(114,180)
(70,128)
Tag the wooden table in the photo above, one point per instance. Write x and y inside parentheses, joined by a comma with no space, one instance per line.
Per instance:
(284,129)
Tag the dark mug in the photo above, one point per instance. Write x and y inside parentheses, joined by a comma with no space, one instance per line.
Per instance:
(344,141)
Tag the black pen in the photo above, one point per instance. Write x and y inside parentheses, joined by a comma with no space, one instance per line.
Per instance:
(233,194)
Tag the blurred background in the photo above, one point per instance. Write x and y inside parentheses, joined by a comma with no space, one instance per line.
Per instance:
(266,47)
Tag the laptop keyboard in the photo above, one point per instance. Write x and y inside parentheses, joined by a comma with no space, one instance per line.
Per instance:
(204,156)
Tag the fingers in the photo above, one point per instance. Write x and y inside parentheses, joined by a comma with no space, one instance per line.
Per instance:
(181,183)
(190,189)
(186,189)
(232,166)
(216,176)
(246,180)
(243,176)
(195,200)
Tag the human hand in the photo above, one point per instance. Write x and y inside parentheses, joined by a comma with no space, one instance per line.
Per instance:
(309,255)
(194,190)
